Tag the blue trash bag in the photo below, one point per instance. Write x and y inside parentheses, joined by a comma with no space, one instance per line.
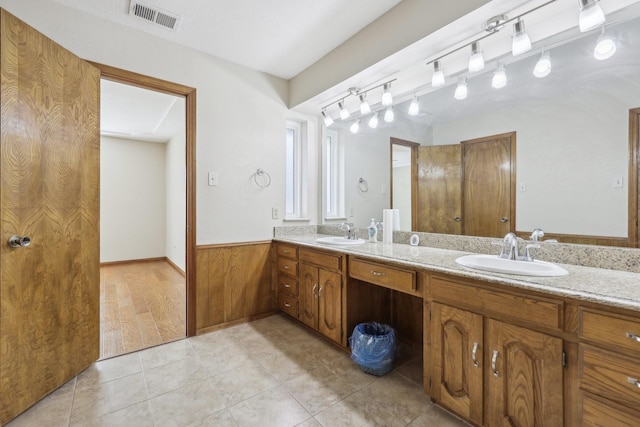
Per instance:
(373,347)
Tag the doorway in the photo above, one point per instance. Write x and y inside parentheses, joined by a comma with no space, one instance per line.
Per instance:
(171,274)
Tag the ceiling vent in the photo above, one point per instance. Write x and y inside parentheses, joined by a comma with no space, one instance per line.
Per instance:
(154,15)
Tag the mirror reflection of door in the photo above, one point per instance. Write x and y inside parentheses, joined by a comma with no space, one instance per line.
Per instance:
(404,181)
(468,188)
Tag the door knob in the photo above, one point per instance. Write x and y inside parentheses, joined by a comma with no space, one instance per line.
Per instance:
(504,219)
(19,241)
(456,218)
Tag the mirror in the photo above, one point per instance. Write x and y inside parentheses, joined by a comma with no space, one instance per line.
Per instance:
(572,127)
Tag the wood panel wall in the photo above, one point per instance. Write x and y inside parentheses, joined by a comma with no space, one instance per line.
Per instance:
(233,284)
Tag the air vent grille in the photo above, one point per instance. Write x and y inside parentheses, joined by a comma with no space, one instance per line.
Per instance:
(154,15)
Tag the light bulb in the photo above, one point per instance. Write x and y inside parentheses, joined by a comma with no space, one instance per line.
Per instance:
(476,60)
(389,115)
(591,15)
(328,121)
(344,113)
(521,42)
(461,90)
(355,127)
(605,47)
(364,105)
(437,79)
(414,107)
(373,121)
(499,77)
(387,99)
(543,66)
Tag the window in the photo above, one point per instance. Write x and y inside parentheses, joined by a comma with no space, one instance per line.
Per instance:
(295,173)
(333,173)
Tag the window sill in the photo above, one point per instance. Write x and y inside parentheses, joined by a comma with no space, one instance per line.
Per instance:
(296,219)
(336,219)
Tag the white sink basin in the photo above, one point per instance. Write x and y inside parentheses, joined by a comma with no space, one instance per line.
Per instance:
(501,265)
(340,241)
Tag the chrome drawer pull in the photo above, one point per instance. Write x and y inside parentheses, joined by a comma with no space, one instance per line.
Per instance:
(633,336)
(377,273)
(633,381)
(285,251)
(286,267)
(287,305)
(286,286)
(474,352)
(494,359)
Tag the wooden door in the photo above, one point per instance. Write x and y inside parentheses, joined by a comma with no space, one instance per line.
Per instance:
(488,185)
(308,296)
(439,189)
(457,361)
(524,383)
(49,172)
(330,305)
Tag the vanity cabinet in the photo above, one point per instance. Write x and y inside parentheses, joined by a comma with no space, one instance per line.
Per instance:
(609,350)
(488,368)
(287,279)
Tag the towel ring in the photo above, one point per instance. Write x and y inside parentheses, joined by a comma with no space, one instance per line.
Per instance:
(363,185)
(261,173)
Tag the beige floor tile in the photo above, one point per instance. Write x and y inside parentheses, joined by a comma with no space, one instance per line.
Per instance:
(272,408)
(412,370)
(434,416)
(311,422)
(109,369)
(354,412)
(190,404)
(173,376)
(137,415)
(166,353)
(221,418)
(54,410)
(242,383)
(93,402)
(218,359)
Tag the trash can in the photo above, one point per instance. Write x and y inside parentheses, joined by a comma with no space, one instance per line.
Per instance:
(373,347)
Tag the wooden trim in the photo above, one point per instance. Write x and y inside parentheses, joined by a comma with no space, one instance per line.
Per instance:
(133,261)
(579,239)
(175,267)
(634,152)
(226,325)
(228,245)
(414,176)
(189,93)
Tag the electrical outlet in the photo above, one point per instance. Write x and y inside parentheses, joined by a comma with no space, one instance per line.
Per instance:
(213,179)
(275,213)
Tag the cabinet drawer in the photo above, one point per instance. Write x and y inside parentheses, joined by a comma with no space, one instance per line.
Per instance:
(287,251)
(328,261)
(383,275)
(608,374)
(541,311)
(623,333)
(287,285)
(598,414)
(288,304)
(288,267)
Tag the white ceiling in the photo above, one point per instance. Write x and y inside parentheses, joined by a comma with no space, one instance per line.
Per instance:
(279,37)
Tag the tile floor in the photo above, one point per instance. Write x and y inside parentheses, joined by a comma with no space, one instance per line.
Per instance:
(271,372)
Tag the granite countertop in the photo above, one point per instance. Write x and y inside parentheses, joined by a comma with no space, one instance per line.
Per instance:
(611,287)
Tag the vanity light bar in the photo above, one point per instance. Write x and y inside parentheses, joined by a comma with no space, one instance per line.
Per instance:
(362,96)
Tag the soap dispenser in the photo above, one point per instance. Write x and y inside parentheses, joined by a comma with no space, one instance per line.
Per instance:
(372,230)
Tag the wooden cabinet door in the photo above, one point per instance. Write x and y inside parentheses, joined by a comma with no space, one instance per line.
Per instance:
(524,380)
(308,296)
(457,361)
(50,191)
(330,305)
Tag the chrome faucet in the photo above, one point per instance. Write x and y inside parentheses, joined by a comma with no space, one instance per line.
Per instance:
(537,235)
(511,245)
(349,233)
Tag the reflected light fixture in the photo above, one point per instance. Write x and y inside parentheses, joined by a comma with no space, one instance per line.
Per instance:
(414,107)
(605,47)
(328,121)
(461,89)
(364,105)
(355,127)
(521,42)
(543,66)
(476,60)
(344,113)
(389,114)
(437,79)
(387,99)
(499,77)
(373,121)
(591,15)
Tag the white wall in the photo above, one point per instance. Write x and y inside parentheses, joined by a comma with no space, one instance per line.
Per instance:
(132,199)
(241,116)
(402,195)
(176,198)
(567,169)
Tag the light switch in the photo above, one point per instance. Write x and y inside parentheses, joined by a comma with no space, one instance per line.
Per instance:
(213,179)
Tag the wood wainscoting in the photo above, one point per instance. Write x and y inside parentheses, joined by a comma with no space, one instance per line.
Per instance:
(233,284)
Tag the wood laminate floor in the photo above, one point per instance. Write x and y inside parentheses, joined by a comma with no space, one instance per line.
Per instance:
(142,304)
